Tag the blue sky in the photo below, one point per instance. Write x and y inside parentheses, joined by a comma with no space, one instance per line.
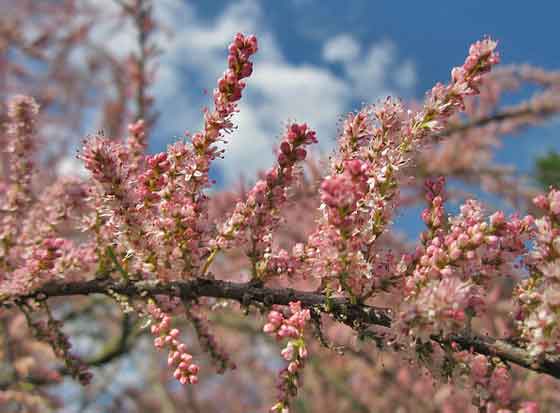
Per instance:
(319,59)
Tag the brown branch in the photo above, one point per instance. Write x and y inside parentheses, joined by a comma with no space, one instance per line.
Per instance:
(117,347)
(537,110)
(357,316)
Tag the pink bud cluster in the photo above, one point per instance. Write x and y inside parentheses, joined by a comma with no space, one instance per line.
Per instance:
(239,67)
(226,95)
(295,351)
(291,327)
(455,262)
(387,149)
(153,179)
(262,209)
(443,101)
(17,191)
(179,359)
(38,267)
(109,164)
(136,143)
(538,296)
(159,199)
(434,216)
(340,193)
(492,383)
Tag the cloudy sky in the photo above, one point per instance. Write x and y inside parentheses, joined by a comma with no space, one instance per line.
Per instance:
(319,59)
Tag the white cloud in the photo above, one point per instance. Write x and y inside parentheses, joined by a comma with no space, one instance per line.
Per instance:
(369,75)
(278,93)
(72,167)
(405,75)
(341,48)
(374,74)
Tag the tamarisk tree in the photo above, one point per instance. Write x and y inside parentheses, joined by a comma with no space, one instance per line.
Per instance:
(465,317)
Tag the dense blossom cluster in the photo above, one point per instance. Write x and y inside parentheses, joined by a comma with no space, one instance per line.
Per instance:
(295,352)
(491,381)
(22,112)
(538,296)
(459,256)
(362,192)
(159,200)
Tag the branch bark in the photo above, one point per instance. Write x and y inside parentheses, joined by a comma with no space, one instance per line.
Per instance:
(541,110)
(357,316)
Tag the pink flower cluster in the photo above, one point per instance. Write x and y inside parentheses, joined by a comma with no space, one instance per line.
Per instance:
(38,267)
(153,179)
(17,191)
(492,383)
(443,101)
(295,351)
(114,197)
(341,193)
(159,199)
(434,216)
(22,113)
(375,145)
(136,143)
(357,130)
(226,95)
(43,259)
(538,296)
(456,261)
(153,210)
(106,160)
(179,359)
(260,213)
(180,178)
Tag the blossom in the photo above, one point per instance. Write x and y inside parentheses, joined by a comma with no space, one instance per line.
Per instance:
(260,213)
(538,297)
(185,371)
(294,353)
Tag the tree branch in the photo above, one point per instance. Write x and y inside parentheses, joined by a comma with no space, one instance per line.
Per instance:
(540,110)
(357,316)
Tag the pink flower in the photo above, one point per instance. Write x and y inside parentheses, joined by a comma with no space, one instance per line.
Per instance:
(178,358)
(529,407)
(479,368)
